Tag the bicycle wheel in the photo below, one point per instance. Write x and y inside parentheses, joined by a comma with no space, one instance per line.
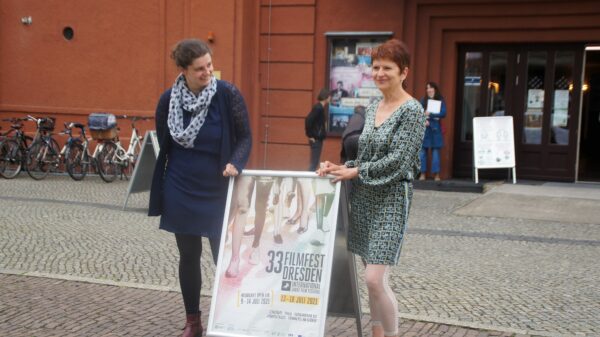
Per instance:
(76,162)
(41,157)
(53,157)
(106,162)
(11,159)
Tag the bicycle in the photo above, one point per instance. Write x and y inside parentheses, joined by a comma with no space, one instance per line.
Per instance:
(113,159)
(44,153)
(13,148)
(77,158)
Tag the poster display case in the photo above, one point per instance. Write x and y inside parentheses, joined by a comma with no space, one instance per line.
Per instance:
(349,75)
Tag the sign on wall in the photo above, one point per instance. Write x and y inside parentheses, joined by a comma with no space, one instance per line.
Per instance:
(493,144)
(274,268)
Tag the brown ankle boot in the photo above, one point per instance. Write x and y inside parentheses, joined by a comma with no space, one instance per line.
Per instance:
(193,326)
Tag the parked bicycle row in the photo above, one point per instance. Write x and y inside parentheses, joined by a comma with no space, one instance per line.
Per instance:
(39,155)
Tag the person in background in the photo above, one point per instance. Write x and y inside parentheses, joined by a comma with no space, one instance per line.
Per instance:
(314,127)
(434,139)
(204,136)
(352,133)
(382,175)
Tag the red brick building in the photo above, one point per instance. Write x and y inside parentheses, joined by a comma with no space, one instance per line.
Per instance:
(69,58)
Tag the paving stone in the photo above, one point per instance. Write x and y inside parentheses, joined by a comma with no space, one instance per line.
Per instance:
(506,273)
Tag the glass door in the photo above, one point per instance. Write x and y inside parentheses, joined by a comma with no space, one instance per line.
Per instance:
(546,108)
(538,86)
(483,89)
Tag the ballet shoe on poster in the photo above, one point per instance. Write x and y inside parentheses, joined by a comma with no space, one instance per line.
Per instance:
(301,230)
(277,238)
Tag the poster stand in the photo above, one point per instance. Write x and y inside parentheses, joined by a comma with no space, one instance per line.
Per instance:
(344,297)
(288,287)
(141,179)
(494,145)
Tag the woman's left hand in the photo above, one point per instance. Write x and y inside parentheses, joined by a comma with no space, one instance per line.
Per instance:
(344,173)
(230,171)
(341,172)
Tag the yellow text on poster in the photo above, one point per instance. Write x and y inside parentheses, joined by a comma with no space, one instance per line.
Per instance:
(299,299)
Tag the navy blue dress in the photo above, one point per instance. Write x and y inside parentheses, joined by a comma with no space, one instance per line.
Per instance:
(194,186)
(188,188)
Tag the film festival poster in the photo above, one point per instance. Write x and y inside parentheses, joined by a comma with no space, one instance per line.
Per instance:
(274,269)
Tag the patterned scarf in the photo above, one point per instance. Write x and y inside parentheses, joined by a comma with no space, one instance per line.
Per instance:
(182,98)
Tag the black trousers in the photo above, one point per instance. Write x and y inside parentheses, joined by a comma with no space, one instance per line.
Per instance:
(190,274)
(315,154)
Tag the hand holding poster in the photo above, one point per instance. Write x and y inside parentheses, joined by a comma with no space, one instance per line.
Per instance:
(273,273)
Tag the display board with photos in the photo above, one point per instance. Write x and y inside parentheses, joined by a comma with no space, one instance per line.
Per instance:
(349,77)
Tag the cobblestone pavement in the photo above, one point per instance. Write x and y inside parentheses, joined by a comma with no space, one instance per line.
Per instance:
(67,308)
(504,274)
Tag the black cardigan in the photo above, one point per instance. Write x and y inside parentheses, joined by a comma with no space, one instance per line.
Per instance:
(314,124)
(236,141)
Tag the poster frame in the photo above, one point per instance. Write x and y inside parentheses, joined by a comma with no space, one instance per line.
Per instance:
(329,246)
(331,37)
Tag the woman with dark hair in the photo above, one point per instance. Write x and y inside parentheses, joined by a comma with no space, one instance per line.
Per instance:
(382,175)
(204,136)
(433,139)
(314,127)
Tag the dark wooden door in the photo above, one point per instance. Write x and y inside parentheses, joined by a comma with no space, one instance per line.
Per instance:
(539,85)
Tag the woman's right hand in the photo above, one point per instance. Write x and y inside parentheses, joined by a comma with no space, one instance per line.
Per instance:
(230,171)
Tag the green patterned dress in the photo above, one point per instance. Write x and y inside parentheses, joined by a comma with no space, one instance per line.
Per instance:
(388,160)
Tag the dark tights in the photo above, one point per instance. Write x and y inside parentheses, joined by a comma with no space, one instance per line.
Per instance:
(190,276)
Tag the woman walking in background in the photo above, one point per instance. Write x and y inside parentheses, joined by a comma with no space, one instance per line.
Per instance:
(204,135)
(382,174)
(434,140)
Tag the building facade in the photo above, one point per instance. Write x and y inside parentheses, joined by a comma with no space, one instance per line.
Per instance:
(534,60)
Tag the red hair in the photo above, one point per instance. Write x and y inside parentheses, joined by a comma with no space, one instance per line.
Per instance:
(394,50)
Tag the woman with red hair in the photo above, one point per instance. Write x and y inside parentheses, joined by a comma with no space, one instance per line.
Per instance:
(382,175)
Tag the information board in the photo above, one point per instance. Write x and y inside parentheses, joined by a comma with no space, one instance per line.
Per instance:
(141,179)
(493,144)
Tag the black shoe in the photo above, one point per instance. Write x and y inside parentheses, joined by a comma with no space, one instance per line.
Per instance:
(301,230)
(277,238)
